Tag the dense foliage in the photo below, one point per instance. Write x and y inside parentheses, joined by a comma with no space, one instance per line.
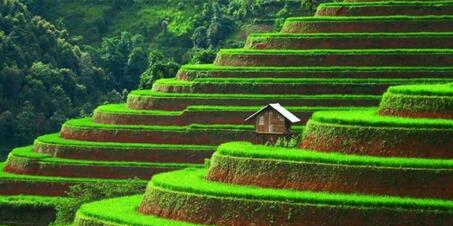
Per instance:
(89,192)
(44,78)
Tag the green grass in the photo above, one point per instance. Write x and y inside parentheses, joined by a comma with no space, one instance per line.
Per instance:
(315,52)
(424,90)
(387,3)
(339,69)
(87,123)
(55,139)
(367,18)
(122,211)
(248,150)
(27,154)
(5,176)
(192,181)
(150,93)
(353,35)
(122,109)
(311,80)
(373,119)
(18,200)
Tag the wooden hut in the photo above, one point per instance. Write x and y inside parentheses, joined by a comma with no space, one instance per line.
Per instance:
(273,120)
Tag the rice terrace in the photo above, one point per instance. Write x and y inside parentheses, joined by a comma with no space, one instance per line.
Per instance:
(329,113)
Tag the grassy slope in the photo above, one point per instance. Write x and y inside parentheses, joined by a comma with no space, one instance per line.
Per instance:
(26,153)
(122,211)
(428,90)
(388,3)
(371,118)
(55,139)
(192,181)
(248,150)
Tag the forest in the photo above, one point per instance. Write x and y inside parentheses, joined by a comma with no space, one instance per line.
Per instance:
(61,58)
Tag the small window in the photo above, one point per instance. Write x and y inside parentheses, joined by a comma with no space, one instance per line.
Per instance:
(261,120)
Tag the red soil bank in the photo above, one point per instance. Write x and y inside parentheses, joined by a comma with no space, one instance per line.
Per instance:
(24,187)
(129,154)
(202,209)
(368,26)
(392,112)
(379,141)
(281,88)
(350,43)
(190,75)
(330,177)
(187,118)
(199,137)
(173,104)
(245,59)
(82,171)
(414,10)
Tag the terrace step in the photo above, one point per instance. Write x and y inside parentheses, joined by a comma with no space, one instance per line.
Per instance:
(121,115)
(352,57)
(188,190)
(195,134)
(22,184)
(246,164)
(368,133)
(420,101)
(302,86)
(191,72)
(386,8)
(350,24)
(120,211)
(28,210)
(350,40)
(55,146)
(147,99)
(25,161)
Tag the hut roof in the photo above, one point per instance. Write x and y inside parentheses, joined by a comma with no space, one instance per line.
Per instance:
(280,109)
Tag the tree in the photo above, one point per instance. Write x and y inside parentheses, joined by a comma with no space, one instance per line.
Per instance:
(200,37)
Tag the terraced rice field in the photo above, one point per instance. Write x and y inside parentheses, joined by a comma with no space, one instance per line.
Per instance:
(342,59)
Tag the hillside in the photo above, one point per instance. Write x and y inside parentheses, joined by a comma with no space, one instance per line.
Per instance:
(342,59)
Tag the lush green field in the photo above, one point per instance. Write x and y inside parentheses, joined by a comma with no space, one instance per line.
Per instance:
(428,90)
(121,211)
(26,154)
(212,67)
(248,150)
(55,139)
(372,118)
(316,52)
(351,35)
(367,18)
(388,3)
(150,93)
(192,181)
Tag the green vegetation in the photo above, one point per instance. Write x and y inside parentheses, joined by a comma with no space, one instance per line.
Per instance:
(122,109)
(212,67)
(367,18)
(87,123)
(372,118)
(27,154)
(55,139)
(149,93)
(388,3)
(89,192)
(192,181)
(424,90)
(351,35)
(248,150)
(121,211)
(337,52)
